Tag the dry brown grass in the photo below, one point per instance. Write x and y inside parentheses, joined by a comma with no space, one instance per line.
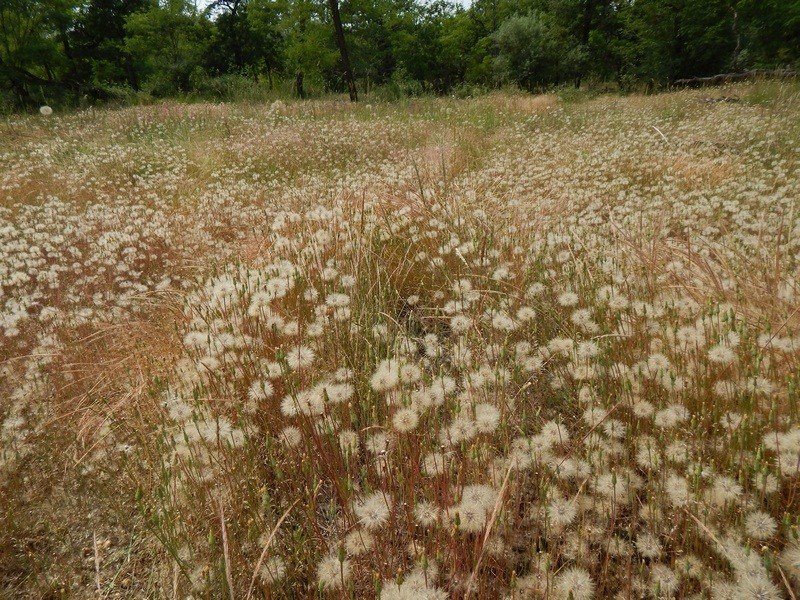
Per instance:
(520,103)
(478,169)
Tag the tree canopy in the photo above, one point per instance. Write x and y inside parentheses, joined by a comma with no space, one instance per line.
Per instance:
(85,51)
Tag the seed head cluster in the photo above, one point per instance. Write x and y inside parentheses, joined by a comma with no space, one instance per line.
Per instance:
(561,361)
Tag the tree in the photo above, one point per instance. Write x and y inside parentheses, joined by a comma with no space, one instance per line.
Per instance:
(650,43)
(769,31)
(168,42)
(264,18)
(78,51)
(35,66)
(232,41)
(309,48)
(419,48)
(342,45)
(531,52)
(670,39)
(98,42)
(466,49)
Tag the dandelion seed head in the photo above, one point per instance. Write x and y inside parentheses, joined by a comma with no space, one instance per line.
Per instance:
(663,580)
(721,355)
(471,516)
(373,510)
(561,512)
(568,299)
(648,546)
(272,570)
(405,420)
(348,441)
(358,542)
(386,376)
(724,490)
(333,574)
(426,513)
(260,390)
(757,587)
(300,357)
(760,525)
(574,582)
(487,417)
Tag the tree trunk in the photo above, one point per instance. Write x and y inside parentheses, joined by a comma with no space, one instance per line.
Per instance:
(725,78)
(130,72)
(586,28)
(348,72)
(738,37)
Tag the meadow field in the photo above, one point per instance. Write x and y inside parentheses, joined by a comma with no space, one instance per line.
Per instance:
(505,347)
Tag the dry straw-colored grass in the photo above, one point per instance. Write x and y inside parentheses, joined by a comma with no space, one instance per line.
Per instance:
(220,379)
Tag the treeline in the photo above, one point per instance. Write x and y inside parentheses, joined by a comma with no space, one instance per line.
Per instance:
(88,51)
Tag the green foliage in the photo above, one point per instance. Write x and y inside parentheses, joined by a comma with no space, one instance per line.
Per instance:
(33,53)
(771,32)
(532,52)
(401,85)
(310,49)
(86,51)
(167,43)
(98,42)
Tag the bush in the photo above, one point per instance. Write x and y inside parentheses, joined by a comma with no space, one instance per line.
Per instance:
(401,85)
(469,90)
(533,52)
